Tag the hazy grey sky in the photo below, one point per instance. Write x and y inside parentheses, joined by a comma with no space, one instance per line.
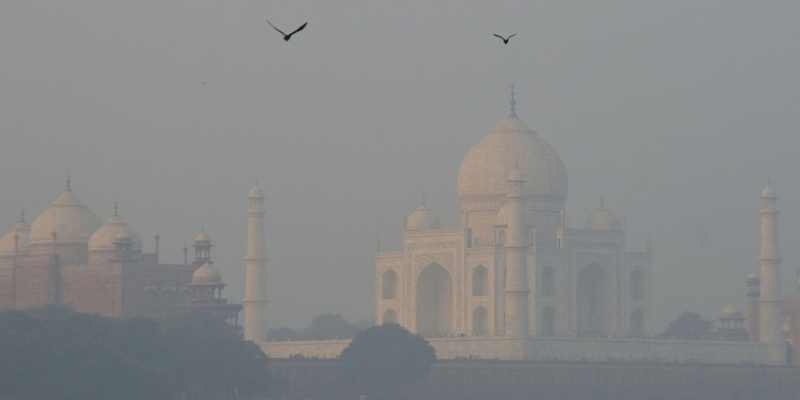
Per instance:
(675,111)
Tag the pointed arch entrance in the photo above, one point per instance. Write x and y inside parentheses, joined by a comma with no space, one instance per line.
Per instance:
(592,311)
(548,322)
(434,299)
(480,278)
(389,285)
(480,322)
(637,323)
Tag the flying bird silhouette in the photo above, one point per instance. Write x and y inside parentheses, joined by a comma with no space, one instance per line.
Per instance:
(504,39)
(287,36)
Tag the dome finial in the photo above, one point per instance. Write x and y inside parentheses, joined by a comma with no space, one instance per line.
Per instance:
(513,102)
(116,209)
(22,216)
(602,201)
(68,184)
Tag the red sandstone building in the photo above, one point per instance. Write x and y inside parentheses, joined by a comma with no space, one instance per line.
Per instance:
(67,256)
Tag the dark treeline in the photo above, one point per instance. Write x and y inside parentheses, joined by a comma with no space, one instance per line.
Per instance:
(54,353)
(476,380)
(322,327)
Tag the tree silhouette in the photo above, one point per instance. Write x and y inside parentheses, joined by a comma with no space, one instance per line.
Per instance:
(383,361)
(689,326)
(329,326)
(55,353)
(208,358)
(282,334)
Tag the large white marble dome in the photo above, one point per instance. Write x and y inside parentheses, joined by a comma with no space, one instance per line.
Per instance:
(487,165)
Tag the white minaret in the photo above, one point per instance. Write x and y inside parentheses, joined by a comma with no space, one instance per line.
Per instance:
(517,289)
(770,310)
(255,293)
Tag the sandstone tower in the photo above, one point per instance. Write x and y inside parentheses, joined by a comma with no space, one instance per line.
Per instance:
(255,297)
(770,310)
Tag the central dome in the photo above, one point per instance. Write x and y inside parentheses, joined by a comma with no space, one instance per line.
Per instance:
(488,164)
(67,218)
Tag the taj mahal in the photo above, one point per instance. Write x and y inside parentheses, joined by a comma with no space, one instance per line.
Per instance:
(513,281)
(512,267)
(510,281)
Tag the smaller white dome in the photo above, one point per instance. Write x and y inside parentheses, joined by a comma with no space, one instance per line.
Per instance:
(202,237)
(206,274)
(729,312)
(15,239)
(603,219)
(115,229)
(419,220)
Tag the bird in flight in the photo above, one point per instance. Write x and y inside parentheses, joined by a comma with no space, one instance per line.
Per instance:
(504,39)
(287,36)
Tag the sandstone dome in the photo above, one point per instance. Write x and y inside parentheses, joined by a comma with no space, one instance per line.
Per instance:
(487,166)
(116,227)
(70,220)
(420,219)
(207,274)
(16,238)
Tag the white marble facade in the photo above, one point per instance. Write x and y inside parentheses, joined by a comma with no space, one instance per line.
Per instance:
(451,281)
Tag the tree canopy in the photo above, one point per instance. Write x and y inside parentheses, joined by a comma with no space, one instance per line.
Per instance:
(383,361)
(53,353)
(322,327)
(56,353)
(689,326)
(329,326)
